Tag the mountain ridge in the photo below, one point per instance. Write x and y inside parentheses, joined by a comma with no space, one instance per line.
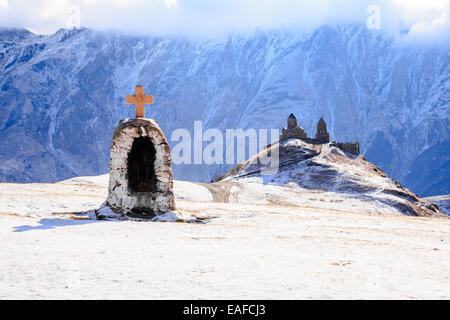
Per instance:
(61,96)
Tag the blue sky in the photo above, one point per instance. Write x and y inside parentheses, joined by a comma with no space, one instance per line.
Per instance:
(427,19)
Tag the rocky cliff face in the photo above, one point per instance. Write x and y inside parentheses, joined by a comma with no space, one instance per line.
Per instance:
(443,203)
(62,95)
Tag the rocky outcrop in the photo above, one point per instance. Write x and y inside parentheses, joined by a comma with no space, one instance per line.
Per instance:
(442,202)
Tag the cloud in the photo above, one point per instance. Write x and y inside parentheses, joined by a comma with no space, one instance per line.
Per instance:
(208,18)
(3,4)
(170,4)
(427,21)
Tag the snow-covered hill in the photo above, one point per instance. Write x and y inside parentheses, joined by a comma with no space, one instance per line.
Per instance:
(62,95)
(326,173)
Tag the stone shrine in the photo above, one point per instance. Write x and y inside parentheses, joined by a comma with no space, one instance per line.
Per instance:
(140,177)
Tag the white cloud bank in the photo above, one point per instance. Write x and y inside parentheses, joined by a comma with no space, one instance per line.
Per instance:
(420,19)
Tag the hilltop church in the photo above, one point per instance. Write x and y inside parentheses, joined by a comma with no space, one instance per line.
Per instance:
(293,131)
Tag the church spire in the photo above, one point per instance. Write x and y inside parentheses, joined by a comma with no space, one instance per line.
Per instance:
(291,121)
(322,133)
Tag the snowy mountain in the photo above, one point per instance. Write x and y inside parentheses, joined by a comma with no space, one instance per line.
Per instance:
(62,95)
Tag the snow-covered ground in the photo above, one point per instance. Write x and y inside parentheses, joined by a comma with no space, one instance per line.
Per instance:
(233,249)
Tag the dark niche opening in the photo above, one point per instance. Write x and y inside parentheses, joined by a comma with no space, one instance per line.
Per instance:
(141,166)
